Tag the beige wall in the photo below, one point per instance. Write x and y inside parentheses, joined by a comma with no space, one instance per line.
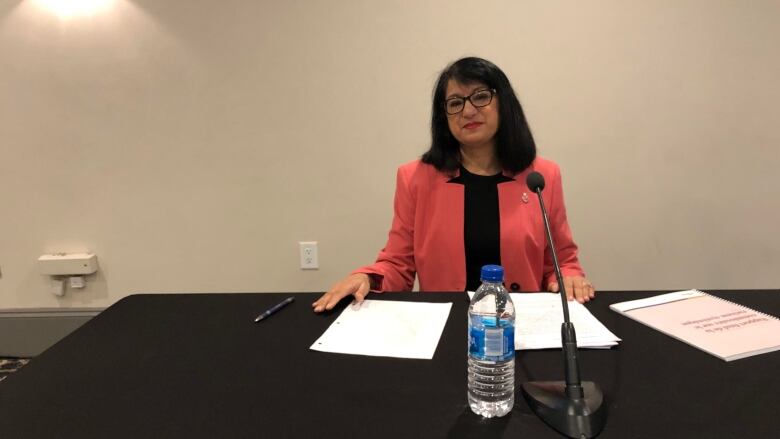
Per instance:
(192,144)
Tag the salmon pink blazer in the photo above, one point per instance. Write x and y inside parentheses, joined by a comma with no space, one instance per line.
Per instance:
(426,236)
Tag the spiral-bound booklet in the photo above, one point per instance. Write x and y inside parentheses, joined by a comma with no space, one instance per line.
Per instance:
(717,326)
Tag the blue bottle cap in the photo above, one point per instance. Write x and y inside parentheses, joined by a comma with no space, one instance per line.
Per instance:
(492,273)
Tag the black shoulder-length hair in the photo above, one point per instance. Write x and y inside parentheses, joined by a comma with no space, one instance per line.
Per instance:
(515,147)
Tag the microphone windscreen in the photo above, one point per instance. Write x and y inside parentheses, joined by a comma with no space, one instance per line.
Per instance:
(535,181)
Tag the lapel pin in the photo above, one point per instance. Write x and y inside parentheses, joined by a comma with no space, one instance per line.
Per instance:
(525,197)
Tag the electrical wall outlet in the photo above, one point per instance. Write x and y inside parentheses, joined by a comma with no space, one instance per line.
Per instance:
(309,259)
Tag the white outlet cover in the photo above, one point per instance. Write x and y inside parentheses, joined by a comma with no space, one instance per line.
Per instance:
(308,255)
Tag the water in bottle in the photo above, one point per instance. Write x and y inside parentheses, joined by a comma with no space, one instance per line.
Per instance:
(491,360)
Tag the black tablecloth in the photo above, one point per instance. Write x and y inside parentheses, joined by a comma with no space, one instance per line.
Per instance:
(196,365)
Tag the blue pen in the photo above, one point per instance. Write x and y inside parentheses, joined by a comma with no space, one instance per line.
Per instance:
(275,308)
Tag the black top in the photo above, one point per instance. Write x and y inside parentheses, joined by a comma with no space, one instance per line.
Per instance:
(197,366)
(481,223)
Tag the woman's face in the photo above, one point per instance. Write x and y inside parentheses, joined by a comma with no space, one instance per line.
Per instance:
(473,126)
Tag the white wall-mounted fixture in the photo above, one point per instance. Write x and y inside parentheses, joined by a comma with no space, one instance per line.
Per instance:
(309,258)
(68,264)
(72,266)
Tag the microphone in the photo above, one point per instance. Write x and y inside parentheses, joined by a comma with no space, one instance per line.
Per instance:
(571,407)
(535,182)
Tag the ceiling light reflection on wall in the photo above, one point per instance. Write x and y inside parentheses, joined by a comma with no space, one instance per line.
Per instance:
(75,8)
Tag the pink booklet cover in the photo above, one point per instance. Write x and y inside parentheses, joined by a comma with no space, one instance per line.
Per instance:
(722,328)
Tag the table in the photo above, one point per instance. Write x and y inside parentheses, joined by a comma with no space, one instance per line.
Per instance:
(195,365)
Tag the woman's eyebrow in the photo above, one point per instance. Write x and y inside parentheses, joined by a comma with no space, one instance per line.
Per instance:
(476,88)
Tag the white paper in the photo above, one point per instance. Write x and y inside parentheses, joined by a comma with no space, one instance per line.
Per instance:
(386,328)
(538,318)
(656,300)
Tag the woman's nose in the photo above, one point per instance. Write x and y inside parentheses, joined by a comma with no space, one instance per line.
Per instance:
(468,108)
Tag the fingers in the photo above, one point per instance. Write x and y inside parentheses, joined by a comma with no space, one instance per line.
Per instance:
(571,292)
(362,291)
(591,291)
(329,299)
(319,304)
(577,288)
(357,284)
(579,293)
(583,289)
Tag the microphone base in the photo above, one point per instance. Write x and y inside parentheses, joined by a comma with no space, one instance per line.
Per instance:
(575,418)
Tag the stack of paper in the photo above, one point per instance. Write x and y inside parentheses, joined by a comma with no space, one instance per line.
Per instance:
(717,326)
(538,318)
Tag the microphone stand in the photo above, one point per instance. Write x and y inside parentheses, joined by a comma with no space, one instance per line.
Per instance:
(573,408)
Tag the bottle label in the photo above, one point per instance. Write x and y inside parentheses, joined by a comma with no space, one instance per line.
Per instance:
(491,343)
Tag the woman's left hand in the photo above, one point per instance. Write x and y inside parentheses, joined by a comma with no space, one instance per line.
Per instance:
(577,287)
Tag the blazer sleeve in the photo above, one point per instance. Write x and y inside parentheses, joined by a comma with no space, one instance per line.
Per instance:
(561,233)
(394,269)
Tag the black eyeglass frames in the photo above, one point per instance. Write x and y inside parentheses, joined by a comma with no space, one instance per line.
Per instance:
(480,98)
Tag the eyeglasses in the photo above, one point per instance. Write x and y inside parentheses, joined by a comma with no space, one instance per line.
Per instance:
(480,98)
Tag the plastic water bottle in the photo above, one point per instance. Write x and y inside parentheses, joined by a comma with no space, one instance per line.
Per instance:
(491,363)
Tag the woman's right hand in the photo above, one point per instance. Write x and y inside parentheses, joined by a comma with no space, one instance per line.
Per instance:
(356,284)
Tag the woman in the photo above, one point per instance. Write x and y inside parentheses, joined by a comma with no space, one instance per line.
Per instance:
(466,204)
